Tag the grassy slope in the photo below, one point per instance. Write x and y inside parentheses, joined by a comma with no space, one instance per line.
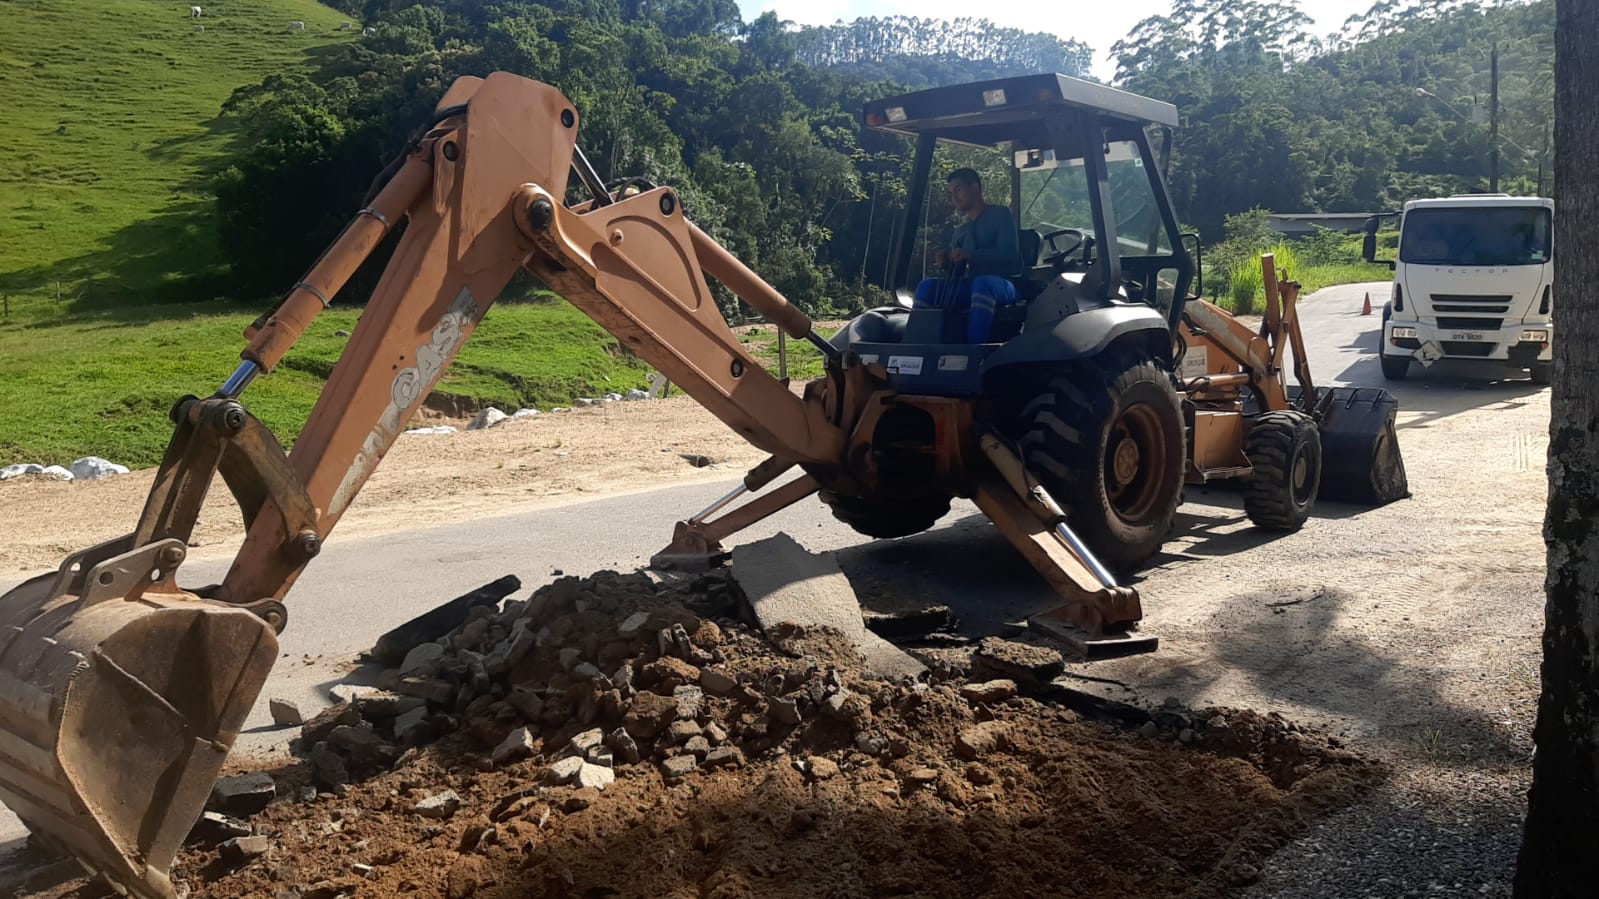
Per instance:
(101,383)
(111,114)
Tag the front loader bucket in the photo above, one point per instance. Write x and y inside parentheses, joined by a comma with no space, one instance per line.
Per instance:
(119,700)
(1359,447)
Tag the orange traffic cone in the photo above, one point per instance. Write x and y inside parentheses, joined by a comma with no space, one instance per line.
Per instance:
(1366,309)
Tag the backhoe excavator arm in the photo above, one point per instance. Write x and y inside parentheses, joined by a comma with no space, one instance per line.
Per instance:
(483,194)
(121,693)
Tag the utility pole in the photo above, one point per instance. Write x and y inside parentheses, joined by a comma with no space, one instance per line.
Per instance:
(1493,120)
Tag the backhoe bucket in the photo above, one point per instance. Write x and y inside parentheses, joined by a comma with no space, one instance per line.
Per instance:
(1359,448)
(120,697)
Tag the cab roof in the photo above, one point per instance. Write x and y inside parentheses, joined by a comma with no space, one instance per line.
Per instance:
(986,113)
(1478,201)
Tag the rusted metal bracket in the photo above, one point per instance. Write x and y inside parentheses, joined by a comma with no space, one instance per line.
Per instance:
(212,436)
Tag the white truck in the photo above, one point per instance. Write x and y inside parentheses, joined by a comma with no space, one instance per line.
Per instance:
(1474,280)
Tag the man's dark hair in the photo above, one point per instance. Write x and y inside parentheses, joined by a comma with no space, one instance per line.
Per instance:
(965,176)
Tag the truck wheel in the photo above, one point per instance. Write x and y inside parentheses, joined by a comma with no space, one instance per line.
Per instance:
(1106,439)
(1542,372)
(887,518)
(1285,449)
(1395,368)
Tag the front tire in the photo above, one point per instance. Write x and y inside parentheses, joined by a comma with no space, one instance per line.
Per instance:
(1542,373)
(1395,368)
(885,519)
(1106,439)
(1285,449)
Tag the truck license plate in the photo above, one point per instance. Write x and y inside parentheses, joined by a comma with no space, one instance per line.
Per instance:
(1466,335)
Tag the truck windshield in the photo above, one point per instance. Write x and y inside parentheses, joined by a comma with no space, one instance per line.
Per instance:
(1475,236)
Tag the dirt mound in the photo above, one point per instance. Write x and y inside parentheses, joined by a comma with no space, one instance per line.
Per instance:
(620,736)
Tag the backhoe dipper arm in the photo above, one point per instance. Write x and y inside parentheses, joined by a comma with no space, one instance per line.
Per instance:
(482,191)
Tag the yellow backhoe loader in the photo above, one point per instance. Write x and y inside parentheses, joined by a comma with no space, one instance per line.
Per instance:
(1073,429)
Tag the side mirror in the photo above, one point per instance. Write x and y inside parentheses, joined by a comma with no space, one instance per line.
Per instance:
(1191,244)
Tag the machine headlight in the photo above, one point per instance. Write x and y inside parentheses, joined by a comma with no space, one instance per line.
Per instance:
(995,97)
(895,113)
(1534,336)
(1397,333)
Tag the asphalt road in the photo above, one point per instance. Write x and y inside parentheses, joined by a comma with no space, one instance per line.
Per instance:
(358,589)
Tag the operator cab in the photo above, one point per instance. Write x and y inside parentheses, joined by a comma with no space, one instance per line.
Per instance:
(1095,223)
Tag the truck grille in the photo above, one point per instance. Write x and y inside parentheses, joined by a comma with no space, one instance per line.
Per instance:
(1466,348)
(1470,324)
(1460,302)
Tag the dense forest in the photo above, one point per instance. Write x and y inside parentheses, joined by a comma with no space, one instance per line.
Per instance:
(757,124)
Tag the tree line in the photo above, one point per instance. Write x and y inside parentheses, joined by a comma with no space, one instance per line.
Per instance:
(757,124)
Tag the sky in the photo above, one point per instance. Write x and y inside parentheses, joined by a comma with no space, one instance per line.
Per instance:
(1098,23)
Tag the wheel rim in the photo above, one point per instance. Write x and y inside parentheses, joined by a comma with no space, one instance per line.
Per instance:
(1135,458)
(1299,477)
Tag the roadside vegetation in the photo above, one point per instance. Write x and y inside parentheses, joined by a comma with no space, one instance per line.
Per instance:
(1233,276)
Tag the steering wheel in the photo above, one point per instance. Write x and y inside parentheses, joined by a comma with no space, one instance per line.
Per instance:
(1057,254)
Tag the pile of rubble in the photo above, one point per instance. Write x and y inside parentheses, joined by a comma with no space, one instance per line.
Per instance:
(626,734)
(590,675)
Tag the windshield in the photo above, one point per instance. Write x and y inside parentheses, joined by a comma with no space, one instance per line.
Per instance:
(1055,196)
(1475,236)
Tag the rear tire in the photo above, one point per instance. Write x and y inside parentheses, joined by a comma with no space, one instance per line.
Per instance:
(886,519)
(1107,441)
(1285,449)
(1542,373)
(1395,368)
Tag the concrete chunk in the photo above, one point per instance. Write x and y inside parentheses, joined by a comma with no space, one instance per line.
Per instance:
(989,691)
(679,766)
(243,794)
(1018,661)
(594,777)
(717,682)
(786,584)
(241,849)
(349,692)
(519,744)
(564,770)
(439,805)
(285,713)
(421,656)
(587,740)
(411,727)
(633,625)
(623,745)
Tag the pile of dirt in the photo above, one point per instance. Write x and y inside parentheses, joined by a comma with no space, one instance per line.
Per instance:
(627,736)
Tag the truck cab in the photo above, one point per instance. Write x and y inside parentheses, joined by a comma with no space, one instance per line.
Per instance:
(1473,280)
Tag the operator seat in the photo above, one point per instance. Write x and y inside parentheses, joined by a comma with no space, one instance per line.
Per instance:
(1031,244)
